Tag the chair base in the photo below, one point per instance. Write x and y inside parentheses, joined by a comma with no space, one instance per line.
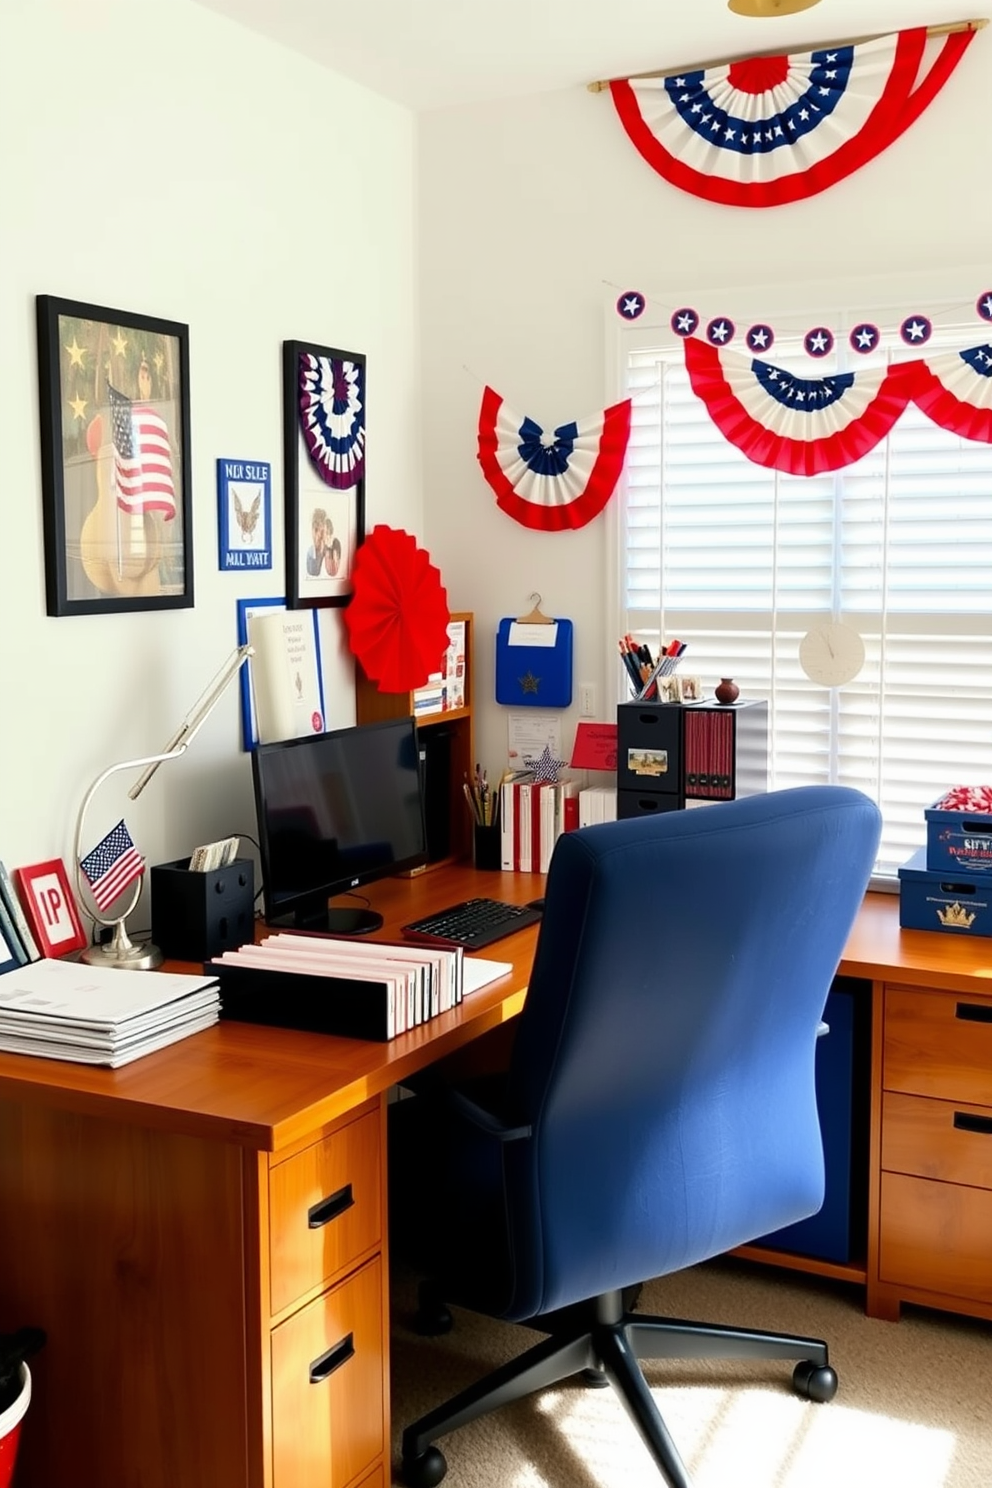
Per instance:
(610,1342)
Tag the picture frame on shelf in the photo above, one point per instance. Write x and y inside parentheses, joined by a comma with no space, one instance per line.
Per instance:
(50,907)
(115,462)
(324,441)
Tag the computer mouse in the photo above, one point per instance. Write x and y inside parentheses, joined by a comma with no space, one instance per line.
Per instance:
(535,904)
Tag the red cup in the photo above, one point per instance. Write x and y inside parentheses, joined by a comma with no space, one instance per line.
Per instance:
(10,1428)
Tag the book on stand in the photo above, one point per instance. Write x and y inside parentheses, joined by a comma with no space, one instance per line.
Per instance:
(286,676)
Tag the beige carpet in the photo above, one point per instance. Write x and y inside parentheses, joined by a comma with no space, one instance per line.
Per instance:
(914,1408)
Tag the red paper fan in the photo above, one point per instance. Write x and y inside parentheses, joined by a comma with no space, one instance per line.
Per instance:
(398,616)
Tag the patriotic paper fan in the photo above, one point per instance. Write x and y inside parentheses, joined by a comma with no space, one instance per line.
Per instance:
(397,620)
(551,481)
(332,417)
(762,131)
(955,391)
(802,425)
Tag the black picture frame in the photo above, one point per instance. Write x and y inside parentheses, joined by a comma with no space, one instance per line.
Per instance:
(324,434)
(115,459)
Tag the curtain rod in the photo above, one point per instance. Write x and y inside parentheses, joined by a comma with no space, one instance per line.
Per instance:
(949,28)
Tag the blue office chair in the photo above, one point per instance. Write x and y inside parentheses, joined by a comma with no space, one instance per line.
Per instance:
(659,1106)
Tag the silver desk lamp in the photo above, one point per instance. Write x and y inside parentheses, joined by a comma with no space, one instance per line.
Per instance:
(120,950)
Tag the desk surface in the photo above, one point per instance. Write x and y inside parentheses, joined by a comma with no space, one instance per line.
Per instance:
(264,1087)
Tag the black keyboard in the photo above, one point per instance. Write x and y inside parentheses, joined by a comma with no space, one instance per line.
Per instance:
(472,924)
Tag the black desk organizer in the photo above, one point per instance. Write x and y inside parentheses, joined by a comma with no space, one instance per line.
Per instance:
(198,915)
(670,753)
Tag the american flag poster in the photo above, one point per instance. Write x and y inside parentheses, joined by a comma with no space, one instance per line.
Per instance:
(143,457)
(112,866)
(115,439)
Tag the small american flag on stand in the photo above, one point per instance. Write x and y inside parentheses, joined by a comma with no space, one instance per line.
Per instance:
(142,458)
(112,865)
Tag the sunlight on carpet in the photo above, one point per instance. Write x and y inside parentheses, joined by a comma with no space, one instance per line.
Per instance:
(758,1438)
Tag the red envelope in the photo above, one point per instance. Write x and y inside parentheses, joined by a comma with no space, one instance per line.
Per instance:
(595,747)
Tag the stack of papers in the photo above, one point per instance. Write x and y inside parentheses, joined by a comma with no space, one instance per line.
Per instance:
(100,1014)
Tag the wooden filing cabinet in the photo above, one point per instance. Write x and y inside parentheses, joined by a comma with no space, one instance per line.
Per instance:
(933,1227)
(327,1317)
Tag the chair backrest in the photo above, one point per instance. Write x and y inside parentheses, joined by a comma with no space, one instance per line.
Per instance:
(665,1054)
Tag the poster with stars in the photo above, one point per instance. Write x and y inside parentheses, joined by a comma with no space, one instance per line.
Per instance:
(114,404)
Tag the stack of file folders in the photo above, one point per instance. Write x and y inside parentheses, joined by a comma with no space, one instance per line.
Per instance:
(363,989)
(100,1014)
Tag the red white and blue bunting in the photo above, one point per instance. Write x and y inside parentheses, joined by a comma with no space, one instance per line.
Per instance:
(808,425)
(332,417)
(551,481)
(762,131)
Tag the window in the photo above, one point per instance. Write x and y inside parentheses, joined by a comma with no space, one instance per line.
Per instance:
(740,561)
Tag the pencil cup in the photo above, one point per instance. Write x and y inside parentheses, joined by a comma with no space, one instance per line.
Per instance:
(486,846)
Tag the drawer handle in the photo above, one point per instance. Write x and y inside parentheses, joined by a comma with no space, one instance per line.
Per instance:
(327,1209)
(974,1012)
(325,1364)
(964,1121)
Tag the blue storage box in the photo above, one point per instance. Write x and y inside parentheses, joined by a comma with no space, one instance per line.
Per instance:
(958,840)
(947,899)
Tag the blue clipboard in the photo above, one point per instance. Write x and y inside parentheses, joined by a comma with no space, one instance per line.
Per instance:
(534,663)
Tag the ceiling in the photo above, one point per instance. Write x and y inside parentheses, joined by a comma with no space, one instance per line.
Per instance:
(430,54)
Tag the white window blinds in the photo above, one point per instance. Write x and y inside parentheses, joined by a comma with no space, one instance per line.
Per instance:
(740,562)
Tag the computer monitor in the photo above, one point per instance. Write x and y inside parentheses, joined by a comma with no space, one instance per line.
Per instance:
(336,811)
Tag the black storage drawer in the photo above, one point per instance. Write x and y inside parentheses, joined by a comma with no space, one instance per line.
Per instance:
(649,748)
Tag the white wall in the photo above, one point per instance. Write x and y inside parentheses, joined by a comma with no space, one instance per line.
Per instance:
(535,215)
(159,159)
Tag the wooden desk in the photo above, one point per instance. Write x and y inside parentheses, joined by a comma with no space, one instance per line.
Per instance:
(154,1219)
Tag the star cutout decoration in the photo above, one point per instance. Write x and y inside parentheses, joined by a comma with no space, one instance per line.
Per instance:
(530,683)
(545,767)
(819,341)
(865,337)
(684,321)
(760,337)
(720,332)
(915,330)
(631,304)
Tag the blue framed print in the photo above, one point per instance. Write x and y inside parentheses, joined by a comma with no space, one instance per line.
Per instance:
(244,514)
(247,608)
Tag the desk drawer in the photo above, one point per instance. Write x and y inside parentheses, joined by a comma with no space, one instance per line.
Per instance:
(938,1044)
(935,1236)
(327,1385)
(937,1139)
(325,1209)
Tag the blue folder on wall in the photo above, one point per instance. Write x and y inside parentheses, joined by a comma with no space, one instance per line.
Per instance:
(534,663)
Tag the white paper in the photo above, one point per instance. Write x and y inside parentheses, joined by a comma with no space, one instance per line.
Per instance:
(480,973)
(528,733)
(103,996)
(533,635)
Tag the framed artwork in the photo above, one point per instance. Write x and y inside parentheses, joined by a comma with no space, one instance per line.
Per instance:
(50,908)
(324,450)
(249,718)
(244,514)
(114,403)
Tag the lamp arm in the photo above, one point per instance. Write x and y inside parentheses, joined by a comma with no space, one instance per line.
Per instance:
(194,720)
(176,746)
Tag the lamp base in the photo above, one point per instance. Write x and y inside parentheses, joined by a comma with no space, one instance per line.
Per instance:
(124,953)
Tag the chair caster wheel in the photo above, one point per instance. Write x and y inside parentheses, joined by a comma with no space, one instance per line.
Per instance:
(426,1470)
(596,1379)
(814,1381)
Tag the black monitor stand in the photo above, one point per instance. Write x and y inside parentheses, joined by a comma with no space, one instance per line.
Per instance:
(330,920)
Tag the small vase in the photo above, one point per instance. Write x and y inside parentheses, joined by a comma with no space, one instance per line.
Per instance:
(727,691)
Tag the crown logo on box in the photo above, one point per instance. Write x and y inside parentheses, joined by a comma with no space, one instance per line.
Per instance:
(955,917)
